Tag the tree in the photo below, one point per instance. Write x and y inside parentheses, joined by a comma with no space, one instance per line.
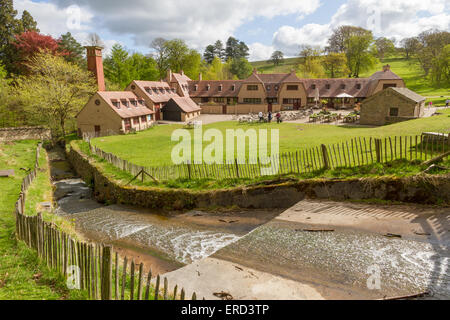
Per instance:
(410,46)
(27,22)
(385,47)
(236,49)
(431,43)
(142,67)
(116,65)
(219,50)
(29,43)
(440,69)
(241,68)
(209,54)
(335,65)
(74,50)
(177,50)
(310,66)
(356,43)
(160,56)
(277,57)
(8,29)
(55,91)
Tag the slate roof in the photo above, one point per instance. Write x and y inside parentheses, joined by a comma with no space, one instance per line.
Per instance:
(186,104)
(411,95)
(214,86)
(153,90)
(125,96)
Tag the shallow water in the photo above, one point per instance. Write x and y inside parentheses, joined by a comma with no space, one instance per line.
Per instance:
(346,258)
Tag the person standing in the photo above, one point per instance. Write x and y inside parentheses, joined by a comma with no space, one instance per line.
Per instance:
(261,117)
(270,116)
(278,116)
(447,103)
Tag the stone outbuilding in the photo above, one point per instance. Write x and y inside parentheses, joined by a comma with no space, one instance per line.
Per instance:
(392,105)
(180,109)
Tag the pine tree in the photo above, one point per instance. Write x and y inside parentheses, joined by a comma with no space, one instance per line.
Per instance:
(75,51)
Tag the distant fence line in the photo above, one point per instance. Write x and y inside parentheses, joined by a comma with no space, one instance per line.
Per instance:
(102,274)
(356,152)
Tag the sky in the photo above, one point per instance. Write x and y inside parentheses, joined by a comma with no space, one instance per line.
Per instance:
(264,25)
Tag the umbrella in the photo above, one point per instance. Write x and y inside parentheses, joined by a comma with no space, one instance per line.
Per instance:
(317,96)
(343,96)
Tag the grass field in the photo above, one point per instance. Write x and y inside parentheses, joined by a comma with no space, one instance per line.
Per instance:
(22,275)
(409,70)
(154,147)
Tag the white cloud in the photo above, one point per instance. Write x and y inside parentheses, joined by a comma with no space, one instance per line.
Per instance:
(389,18)
(199,22)
(259,51)
(289,39)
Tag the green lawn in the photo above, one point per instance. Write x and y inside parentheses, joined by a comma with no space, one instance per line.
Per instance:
(22,275)
(409,70)
(153,147)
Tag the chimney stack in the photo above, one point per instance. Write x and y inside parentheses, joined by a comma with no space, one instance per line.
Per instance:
(95,65)
(387,68)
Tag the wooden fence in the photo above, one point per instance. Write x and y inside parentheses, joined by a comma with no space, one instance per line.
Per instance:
(356,152)
(93,267)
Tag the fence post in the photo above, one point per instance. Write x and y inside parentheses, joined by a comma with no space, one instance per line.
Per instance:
(325,157)
(378,149)
(237,167)
(106,273)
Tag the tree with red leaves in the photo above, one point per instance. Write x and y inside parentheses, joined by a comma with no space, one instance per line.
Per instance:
(29,43)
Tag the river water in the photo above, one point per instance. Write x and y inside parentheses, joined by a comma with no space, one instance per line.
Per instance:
(170,240)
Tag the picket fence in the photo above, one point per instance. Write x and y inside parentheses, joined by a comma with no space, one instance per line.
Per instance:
(93,267)
(358,151)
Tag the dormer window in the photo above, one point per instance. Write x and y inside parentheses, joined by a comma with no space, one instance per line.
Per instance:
(155,90)
(116,104)
(173,90)
(343,86)
(168,90)
(196,87)
(125,103)
(161,90)
(233,87)
(134,103)
(142,102)
(328,86)
(148,90)
(313,87)
(268,88)
(220,88)
(358,86)
(276,88)
(208,87)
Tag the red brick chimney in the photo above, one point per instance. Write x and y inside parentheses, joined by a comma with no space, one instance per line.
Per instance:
(95,65)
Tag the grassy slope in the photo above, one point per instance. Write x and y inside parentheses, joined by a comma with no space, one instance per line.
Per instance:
(22,276)
(409,70)
(153,147)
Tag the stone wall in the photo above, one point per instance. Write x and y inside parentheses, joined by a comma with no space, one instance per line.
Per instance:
(24,133)
(426,190)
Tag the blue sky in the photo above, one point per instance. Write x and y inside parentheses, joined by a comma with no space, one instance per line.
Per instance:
(265,25)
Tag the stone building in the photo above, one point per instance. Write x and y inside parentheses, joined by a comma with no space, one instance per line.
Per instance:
(392,105)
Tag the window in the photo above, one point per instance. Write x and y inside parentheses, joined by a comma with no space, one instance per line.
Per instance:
(149,91)
(116,104)
(142,102)
(292,88)
(125,103)
(252,100)
(342,86)
(313,87)
(393,112)
(389,85)
(291,101)
(149,117)
(219,100)
(161,90)
(233,87)
(136,120)
(268,88)
(205,100)
(252,87)
(196,87)
(276,88)
(358,86)
(208,87)
(155,90)
(272,100)
(134,103)
(328,86)
(220,88)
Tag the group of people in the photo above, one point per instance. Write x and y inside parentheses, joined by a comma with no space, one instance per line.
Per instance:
(270,117)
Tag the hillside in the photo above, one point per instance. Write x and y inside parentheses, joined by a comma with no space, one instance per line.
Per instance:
(409,70)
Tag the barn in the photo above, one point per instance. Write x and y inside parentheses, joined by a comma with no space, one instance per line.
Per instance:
(392,105)
(180,109)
